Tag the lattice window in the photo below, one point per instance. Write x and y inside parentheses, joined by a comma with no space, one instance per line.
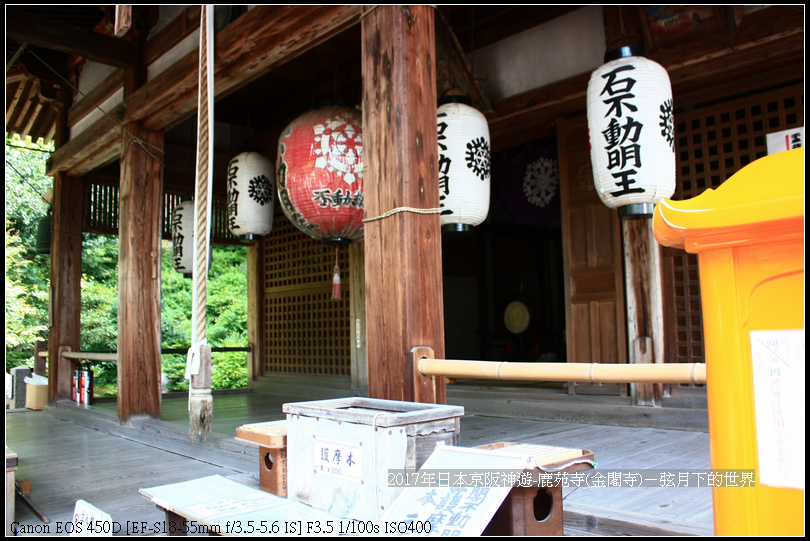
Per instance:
(305,331)
(102,206)
(713,143)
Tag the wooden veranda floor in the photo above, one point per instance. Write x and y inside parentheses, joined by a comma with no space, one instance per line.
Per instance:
(74,452)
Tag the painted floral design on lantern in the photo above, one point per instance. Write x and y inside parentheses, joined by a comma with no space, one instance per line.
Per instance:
(320,174)
(541,181)
(478,157)
(340,149)
(667,123)
(260,189)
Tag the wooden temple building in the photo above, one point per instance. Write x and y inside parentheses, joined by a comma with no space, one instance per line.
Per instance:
(117,92)
(116,89)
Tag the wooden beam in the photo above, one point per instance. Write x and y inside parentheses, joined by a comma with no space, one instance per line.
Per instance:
(255,303)
(66,275)
(64,38)
(141,201)
(404,301)
(246,49)
(357,315)
(645,304)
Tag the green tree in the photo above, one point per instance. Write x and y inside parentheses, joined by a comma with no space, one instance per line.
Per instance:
(27,273)
(28,277)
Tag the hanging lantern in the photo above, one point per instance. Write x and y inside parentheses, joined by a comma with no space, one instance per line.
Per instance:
(44,234)
(183,237)
(250,196)
(631,130)
(464,164)
(320,174)
(320,177)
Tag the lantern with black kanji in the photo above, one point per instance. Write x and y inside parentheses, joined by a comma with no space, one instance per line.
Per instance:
(631,130)
(464,164)
(250,196)
(183,237)
(320,176)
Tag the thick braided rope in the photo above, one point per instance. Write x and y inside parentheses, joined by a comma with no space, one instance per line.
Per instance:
(202,195)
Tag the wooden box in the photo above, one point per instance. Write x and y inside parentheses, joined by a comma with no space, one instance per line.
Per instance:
(536,511)
(340,451)
(272,440)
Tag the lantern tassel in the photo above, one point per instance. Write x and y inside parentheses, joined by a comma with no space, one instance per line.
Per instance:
(336,293)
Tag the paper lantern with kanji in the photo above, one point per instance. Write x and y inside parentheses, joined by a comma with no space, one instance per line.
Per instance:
(320,174)
(250,196)
(183,237)
(464,164)
(631,130)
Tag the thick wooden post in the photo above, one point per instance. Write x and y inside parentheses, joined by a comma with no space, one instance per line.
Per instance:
(357,315)
(66,275)
(255,303)
(139,371)
(404,304)
(645,312)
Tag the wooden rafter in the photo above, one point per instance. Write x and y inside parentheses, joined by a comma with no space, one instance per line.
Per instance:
(254,44)
(65,38)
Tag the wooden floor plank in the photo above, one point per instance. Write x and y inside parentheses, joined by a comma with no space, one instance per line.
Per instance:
(66,460)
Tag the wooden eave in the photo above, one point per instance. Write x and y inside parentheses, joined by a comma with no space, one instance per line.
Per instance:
(254,44)
(58,36)
(765,51)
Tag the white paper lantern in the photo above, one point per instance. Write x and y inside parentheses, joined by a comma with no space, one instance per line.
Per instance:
(631,131)
(183,238)
(250,196)
(464,165)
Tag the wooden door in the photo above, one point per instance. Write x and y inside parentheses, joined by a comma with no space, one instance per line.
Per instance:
(594,312)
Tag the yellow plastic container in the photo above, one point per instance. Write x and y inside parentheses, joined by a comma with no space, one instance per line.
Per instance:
(749,237)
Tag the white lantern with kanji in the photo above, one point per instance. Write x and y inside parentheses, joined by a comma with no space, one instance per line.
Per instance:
(183,237)
(631,131)
(250,196)
(464,164)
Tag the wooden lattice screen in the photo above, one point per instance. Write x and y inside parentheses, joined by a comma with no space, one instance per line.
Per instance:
(305,331)
(713,143)
(101,207)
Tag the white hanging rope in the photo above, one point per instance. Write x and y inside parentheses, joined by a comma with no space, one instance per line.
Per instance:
(403,209)
(200,403)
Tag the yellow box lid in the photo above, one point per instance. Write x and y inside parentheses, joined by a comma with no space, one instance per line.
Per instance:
(762,202)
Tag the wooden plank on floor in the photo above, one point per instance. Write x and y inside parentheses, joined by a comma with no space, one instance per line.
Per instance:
(595,520)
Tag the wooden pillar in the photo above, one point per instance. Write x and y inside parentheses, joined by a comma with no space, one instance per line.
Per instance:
(39,362)
(255,304)
(645,311)
(404,306)
(140,219)
(357,315)
(66,274)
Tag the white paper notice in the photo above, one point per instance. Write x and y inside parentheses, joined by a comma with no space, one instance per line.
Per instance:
(341,459)
(785,140)
(779,387)
(450,510)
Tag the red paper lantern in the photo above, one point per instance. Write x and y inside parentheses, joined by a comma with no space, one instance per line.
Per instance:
(320,174)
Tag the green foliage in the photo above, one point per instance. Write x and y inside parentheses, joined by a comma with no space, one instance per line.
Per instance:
(28,277)
(27,273)
(226,310)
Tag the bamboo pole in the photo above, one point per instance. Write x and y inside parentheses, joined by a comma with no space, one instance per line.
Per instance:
(585,372)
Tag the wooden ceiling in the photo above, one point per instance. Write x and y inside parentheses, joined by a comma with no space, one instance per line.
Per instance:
(731,57)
